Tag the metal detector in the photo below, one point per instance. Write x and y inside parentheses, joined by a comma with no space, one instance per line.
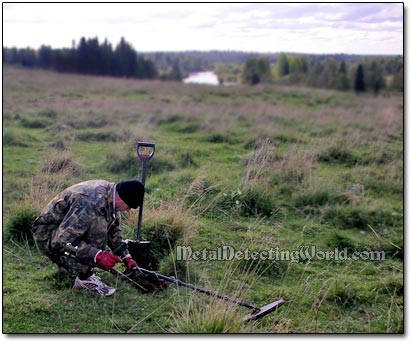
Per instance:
(257,312)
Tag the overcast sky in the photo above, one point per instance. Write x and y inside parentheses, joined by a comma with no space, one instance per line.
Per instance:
(354,28)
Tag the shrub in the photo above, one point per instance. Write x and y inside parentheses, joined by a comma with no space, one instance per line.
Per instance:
(180,269)
(160,164)
(14,139)
(248,202)
(394,249)
(338,154)
(34,123)
(59,144)
(285,138)
(19,222)
(213,201)
(62,162)
(389,178)
(345,295)
(392,285)
(311,201)
(201,195)
(128,163)
(220,138)
(103,136)
(162,235)
(163,227)
(185,160)
(44,186)
(259,162)
(49,113)
(360,217)
(339,240)
(122,164)
(295,166)
(183,127)
(171,119)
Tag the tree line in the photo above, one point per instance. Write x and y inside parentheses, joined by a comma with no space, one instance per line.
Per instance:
(87,57)
(340,72)
(367,74)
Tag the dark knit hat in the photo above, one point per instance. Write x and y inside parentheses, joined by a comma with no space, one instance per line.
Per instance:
(131,192)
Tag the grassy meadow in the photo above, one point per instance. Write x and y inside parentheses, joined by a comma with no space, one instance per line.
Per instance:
(253,168)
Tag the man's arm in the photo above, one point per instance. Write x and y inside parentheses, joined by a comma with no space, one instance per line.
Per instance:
(80,220)
(115,238)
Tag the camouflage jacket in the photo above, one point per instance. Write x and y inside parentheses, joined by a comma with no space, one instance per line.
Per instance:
(82,215)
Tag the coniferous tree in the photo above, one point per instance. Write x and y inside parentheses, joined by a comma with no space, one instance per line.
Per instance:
(27,57)
(359,83)
(342,82)
(45,57)
(125,59)
(107,59)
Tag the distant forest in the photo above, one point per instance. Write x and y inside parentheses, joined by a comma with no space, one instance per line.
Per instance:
(334,71)
(88,57)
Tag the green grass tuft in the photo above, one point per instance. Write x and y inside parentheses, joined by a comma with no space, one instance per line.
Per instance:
(360,217)
(19,223)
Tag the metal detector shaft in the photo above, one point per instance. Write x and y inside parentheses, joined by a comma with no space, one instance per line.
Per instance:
(144,156)
(193,287)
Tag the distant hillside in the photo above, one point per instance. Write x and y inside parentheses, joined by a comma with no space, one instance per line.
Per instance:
(206,58)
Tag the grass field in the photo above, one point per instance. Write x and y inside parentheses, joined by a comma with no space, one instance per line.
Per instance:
(253,168)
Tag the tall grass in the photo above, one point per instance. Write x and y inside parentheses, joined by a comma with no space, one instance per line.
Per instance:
(56,172)
(213,317)
(199,313)
(253,168)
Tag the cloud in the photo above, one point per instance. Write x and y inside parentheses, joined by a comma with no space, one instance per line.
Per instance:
(300,27)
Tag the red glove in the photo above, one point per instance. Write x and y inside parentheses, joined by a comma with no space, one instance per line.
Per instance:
(130,262)
(106,259)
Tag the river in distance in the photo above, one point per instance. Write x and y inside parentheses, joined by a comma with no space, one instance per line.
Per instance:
(205,77)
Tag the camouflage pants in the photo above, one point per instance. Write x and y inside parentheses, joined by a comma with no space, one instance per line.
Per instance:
(43,236)
(73,265)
